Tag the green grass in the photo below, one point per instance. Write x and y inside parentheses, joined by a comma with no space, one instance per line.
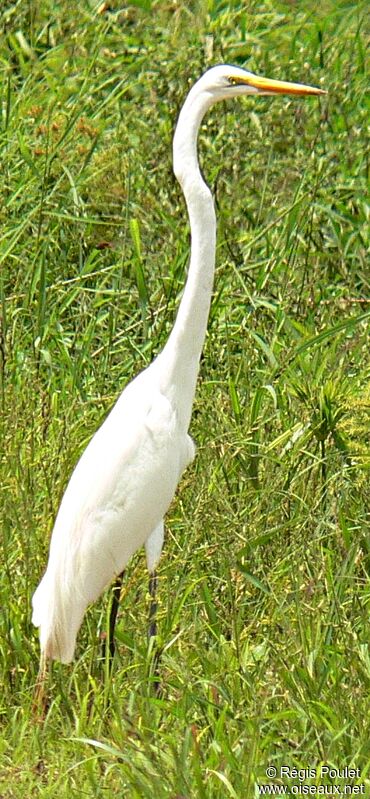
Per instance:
(264,582)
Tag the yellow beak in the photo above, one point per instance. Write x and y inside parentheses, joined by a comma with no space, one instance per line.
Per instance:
(269,86)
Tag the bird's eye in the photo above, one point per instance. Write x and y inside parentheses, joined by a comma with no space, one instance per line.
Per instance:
(232,80)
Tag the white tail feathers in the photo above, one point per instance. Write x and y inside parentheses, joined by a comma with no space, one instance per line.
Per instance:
(58,619)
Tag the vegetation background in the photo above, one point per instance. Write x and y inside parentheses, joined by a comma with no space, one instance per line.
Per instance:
(264,583)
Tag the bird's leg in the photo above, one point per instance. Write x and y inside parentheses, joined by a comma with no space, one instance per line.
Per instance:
(116,591)
(153,582)
(153,548)
(40,699)
(152,630)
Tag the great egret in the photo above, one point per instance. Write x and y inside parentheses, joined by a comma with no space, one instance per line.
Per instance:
(126,478)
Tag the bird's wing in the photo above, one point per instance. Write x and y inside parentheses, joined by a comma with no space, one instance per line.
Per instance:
(120,489)
(117,496)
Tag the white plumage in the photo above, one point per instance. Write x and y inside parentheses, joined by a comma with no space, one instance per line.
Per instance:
(117,496)
(126,478)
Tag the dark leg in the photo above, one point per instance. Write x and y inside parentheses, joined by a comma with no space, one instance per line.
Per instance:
(116,593)
(152,631)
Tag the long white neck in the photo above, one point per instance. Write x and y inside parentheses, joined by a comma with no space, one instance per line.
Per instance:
(181,354)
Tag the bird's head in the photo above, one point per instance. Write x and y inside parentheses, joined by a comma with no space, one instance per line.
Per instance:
(220,83)
(226,81)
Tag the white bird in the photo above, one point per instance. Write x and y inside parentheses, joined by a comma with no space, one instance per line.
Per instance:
(125,480)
